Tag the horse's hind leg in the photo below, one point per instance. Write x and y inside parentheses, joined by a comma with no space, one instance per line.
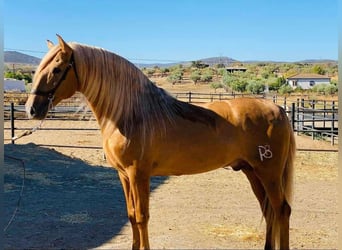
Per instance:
(259,192)
(279,208)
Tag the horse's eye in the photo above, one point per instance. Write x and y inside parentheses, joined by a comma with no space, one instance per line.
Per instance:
(56,70)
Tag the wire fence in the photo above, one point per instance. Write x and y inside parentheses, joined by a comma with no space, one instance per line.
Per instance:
(317,118)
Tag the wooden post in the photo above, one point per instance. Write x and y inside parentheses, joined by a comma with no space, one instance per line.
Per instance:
(324,112)
(12,122)
(313,119)
(293,111)
(299,127)
(333,123)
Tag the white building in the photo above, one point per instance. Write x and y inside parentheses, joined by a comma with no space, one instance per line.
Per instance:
(14,85)
(307,81)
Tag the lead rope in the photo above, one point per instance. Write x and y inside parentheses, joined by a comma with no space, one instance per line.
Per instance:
(34,129)
(25,133)
(28,132)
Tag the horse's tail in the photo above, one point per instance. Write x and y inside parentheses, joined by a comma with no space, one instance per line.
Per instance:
(288,171)
(287,184)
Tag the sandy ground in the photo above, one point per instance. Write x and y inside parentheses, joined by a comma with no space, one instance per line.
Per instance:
(71,199)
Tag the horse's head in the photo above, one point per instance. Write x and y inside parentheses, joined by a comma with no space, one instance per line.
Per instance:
(55,79)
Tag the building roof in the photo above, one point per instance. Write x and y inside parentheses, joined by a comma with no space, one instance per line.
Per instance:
(308,76)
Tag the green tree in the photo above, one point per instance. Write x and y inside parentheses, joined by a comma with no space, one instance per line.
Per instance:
(164,71)
(285,89)
(277,83)
(319,88)
(330,89)
(216,85)
(255,87)
(235,82)
(195,76)
(206,77)
(317,69)
(19,76)
(175,77)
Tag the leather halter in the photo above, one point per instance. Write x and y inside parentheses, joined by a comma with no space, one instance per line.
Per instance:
(50,94)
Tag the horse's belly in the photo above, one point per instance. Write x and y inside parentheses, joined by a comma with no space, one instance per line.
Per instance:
(186,161)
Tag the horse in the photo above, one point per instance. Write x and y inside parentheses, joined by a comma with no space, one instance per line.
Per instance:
(146,132)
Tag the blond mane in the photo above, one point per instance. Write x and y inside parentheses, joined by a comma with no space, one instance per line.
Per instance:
(119,93)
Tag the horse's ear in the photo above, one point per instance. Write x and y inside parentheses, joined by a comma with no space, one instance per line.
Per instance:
(64,46)
(49,44)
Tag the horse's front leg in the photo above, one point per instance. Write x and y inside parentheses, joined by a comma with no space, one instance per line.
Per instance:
(130,210)
(140,188)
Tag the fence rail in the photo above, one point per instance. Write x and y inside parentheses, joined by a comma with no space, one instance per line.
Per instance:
(313,117)
(316,118)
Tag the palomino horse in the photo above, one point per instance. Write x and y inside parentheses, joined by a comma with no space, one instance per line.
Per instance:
(146,132)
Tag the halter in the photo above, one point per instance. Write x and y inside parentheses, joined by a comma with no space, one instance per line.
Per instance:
(50,94)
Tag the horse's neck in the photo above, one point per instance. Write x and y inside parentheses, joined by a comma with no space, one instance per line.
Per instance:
(113,110)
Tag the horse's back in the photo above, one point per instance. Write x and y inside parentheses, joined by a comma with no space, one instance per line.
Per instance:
(248,110)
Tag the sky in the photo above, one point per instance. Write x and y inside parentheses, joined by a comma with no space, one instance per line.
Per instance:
(178,30)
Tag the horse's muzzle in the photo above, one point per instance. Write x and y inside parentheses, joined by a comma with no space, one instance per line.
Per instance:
(37,109)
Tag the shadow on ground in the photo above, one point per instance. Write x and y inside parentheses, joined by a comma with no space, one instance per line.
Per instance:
(66,203)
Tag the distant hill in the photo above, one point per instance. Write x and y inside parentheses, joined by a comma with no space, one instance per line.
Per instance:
(20,58)
(211,61)
(218,60)
(313,61)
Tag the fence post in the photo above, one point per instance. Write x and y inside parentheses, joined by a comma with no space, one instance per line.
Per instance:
(313,118)
(12,122)
(299,125)
(324,112)
(293,111)
(333,123)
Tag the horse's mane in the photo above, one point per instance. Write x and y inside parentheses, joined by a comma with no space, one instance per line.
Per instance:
(119,92)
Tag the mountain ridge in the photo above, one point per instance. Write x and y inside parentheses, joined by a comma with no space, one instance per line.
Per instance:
(21,58)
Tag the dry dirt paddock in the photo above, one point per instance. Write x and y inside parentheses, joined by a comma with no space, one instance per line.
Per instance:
(71,199)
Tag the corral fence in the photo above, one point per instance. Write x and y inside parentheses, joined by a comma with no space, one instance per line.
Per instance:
(317,118)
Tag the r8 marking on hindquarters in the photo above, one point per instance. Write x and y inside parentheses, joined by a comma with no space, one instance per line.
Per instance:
(265,152)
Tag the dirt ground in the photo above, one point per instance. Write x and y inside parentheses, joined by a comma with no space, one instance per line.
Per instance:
(71,199)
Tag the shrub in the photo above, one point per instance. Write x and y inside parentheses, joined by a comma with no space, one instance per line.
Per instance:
(285,89)
(175,77)
(255,87)
(330,89)
(216,85)
(206,77)
(195,76)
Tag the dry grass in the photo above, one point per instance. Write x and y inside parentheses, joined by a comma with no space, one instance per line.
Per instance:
(241,232)
(316,165)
